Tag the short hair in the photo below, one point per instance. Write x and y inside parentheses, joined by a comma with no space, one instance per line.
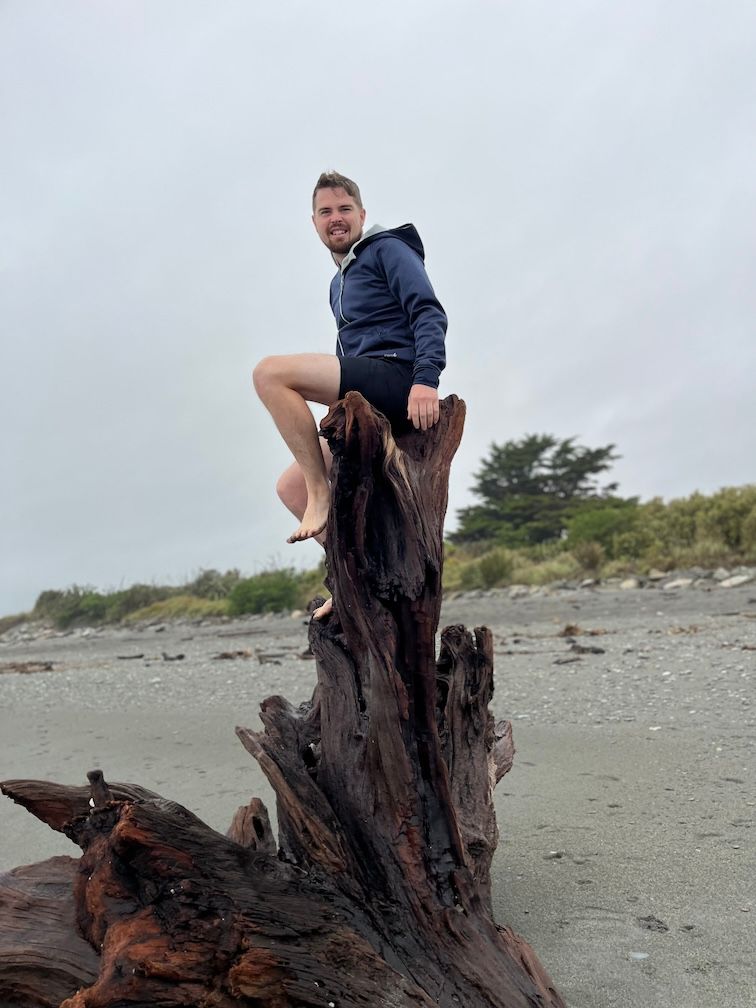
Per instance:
(333,180)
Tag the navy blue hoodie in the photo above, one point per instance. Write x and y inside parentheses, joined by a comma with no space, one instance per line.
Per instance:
(384,304)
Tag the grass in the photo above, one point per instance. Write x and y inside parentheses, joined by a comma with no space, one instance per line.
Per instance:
(178,607)
(8,622)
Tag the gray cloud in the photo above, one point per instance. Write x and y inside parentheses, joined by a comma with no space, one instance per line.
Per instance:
(581,176)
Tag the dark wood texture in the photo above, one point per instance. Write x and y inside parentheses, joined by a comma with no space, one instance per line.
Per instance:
(43,958)
(380,892)
(250,827)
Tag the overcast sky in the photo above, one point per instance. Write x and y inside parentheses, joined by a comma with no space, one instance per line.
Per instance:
(583,175)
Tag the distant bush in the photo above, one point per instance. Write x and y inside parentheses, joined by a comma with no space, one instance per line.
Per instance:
(49,604)
(74,605)
(590,555)
(310,584)
(120,604)
(726,516)
(470,577)
(211,584)
(467,569)
(748,533)
(496,568)
(561,567)
(179,607)
(8,622)
(269,591)
(210,593)
(78,606)
(453,564)
(605,525)
(696,530)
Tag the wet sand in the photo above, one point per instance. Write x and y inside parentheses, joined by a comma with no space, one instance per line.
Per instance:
(626,854)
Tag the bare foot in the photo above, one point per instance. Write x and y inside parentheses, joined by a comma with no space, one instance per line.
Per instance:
(313,521)
(322,611)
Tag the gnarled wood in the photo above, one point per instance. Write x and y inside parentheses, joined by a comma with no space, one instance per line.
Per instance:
(380,894)
(43,958)
(57,804)
(250,827)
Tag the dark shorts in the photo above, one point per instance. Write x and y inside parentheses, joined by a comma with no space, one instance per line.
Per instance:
(384,381)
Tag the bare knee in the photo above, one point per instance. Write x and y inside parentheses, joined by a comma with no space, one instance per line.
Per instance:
(267,375)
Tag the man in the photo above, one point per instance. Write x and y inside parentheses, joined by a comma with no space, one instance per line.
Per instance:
(390,346)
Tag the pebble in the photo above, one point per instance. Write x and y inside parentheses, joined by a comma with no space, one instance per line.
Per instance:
(736,581)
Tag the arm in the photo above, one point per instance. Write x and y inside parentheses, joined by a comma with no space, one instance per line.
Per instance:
(409,284)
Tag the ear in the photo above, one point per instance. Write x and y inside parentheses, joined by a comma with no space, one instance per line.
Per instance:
(362,215)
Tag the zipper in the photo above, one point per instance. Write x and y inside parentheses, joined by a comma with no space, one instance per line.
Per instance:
(341,293)
(342,317)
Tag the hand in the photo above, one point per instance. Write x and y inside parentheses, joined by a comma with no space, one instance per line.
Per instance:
(422,407)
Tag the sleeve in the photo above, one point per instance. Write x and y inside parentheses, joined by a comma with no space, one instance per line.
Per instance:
(409,284)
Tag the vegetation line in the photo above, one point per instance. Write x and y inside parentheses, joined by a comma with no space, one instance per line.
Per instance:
(541,517)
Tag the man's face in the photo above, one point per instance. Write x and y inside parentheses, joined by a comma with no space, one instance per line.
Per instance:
(337,219)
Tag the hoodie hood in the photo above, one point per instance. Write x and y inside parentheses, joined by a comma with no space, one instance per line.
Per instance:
(384,304)
(405,232)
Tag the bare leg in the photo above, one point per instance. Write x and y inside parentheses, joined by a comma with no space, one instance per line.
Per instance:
(285,385)
(292,490)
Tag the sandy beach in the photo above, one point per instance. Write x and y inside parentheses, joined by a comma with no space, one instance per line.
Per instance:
(626,854)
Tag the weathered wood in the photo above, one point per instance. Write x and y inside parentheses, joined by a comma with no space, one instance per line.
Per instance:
(184,916)
(43,958)
(250,827)
(380,894)
(409,828)
(57,804)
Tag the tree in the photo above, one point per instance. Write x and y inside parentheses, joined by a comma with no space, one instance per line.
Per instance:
(529,488)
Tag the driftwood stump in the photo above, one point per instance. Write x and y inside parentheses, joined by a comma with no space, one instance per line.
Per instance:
(379,894)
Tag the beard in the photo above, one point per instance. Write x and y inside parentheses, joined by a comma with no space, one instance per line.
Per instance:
(342,243)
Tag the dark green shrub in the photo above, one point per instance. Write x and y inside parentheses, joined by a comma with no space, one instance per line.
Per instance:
(602,525)
(270,591)
(75,605)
